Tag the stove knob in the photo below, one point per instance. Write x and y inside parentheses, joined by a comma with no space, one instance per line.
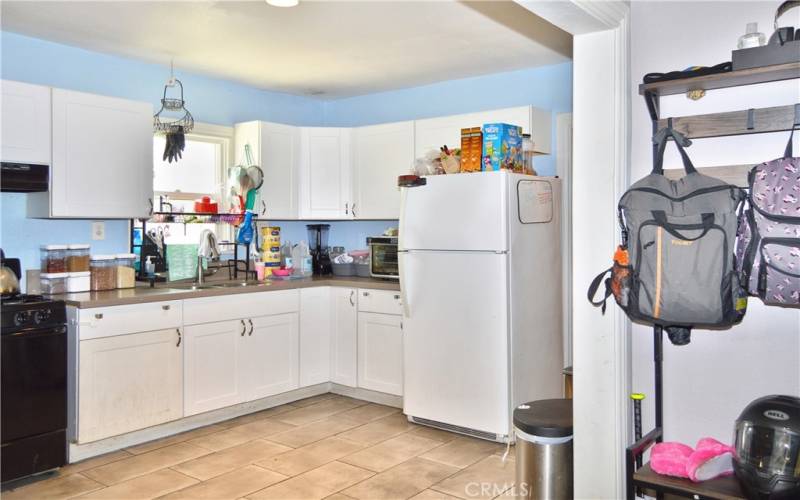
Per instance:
(41,316)
(21,318)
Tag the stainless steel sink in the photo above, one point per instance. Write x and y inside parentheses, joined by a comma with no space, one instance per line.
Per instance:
(194,286)
(238,284)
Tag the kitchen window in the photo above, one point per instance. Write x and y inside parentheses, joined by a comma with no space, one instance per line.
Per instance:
(201,171)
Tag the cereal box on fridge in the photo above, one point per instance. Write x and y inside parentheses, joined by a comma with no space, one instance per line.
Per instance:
(502,147)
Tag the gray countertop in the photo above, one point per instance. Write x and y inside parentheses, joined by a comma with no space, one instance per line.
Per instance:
(143,294)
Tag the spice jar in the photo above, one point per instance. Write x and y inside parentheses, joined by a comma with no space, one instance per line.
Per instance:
(79,282)
(77,258)
(53,283)
(104,272)
(126,274)
(53,258)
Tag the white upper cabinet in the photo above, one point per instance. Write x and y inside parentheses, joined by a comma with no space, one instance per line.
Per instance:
(325,173)
(25,111)
(102,163)
(276,149)
(382,153)
(433,133)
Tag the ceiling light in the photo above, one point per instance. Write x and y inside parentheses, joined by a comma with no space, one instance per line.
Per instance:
(283,3)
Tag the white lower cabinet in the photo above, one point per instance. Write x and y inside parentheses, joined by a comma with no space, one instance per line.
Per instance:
(230,362)
(213,365)
(380,352)
(344,336)
(129,382)
(270,350)
(315,336)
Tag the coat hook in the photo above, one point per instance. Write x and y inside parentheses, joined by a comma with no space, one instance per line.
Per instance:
(750,119)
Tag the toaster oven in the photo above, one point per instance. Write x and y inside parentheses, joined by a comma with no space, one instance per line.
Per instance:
(383,257)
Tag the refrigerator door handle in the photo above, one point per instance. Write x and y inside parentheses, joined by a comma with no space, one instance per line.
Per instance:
(403,283)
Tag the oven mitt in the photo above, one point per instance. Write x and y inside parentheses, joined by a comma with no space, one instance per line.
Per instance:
(670,459)
(710,459)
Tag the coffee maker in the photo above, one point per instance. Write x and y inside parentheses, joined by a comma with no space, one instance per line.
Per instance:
(318,246)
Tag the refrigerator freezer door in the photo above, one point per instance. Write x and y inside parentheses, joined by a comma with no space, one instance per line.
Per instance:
(455,212)
(456,338)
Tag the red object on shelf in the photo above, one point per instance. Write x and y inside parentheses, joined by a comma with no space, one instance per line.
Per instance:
(205,205)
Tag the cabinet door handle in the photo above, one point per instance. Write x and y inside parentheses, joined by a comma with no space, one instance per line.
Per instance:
(179,337)
(352,295)
(396,297)
(166,308)
(150,200)
(98,316)
(251,327)
(365,294)
(353,209)
(263,207)
(244,327)
(346,208)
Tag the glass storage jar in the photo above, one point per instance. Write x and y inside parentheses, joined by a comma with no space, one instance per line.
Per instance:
(104,272)
(79,282)
(53,258)
(53,283)
(126,274)
(77,258)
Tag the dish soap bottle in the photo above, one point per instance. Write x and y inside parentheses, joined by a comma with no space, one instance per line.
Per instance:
(751,38)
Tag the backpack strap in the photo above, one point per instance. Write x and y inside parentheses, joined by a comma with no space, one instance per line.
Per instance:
(787,153)
(661,138)
(596,285)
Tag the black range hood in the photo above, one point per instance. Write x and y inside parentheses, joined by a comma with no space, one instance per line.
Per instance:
(24,178)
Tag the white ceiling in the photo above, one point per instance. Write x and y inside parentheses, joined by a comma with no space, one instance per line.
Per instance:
(330,49)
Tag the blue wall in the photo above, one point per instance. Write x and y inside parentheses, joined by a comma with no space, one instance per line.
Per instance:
(221,102)
(548,87)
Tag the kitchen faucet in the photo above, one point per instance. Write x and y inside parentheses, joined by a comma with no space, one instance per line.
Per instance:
(207,249)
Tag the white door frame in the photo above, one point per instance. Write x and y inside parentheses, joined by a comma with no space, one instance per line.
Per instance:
(601,151)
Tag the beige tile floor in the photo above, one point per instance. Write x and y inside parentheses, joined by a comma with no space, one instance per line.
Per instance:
(327,446)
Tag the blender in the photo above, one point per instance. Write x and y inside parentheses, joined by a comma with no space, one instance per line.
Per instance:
(318,246)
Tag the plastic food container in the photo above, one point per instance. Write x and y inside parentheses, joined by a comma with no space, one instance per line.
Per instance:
(104,272)
(79,281)
(53,283)
(77,258)
(126,273)
(53,258)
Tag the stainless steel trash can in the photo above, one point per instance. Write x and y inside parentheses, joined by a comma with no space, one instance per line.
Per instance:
(543,432)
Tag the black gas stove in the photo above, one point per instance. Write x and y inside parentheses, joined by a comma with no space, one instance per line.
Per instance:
(33,414)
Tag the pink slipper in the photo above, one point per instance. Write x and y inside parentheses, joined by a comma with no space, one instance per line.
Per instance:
(670,459)
(711,459)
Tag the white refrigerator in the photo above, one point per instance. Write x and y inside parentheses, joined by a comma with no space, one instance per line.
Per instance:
(480,277)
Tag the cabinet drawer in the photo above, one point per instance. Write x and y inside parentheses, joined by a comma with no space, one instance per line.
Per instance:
(240,305)
(120,320)
(379,301)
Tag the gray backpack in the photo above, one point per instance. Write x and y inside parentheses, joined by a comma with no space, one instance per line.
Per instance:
(768,245)
(679,236)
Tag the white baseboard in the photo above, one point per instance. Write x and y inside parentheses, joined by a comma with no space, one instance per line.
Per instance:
(368,395)
(78,452)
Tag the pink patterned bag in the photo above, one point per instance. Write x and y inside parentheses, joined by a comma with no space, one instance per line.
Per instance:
(768,239)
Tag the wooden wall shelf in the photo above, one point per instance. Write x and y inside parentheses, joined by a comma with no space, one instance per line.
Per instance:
(774,119)
(750,76)
(732,174)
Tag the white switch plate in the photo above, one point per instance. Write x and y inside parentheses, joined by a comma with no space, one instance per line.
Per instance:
(98,230)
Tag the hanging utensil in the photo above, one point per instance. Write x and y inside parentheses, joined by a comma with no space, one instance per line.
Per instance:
(174,128)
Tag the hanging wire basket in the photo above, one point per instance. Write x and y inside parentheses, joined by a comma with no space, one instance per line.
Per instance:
(168,125)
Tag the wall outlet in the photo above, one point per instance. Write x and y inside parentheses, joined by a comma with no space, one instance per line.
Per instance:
(98,230)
